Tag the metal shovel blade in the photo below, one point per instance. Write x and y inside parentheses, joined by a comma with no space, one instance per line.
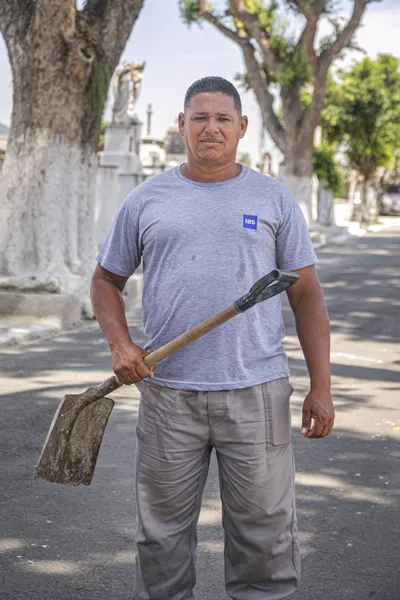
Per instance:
(72,445)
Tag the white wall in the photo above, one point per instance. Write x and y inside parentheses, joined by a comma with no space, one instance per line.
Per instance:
(106,202)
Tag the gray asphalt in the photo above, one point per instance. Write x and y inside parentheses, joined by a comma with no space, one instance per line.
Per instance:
(59,543)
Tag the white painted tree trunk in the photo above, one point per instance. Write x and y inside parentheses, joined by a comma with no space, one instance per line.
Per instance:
(304,189)
(62,58)
(369,207)
(47,194)
(363,200)
(325,206)
(297,173)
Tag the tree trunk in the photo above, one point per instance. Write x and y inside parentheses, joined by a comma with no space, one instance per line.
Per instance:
(325,206)
(298,157)
(62,60)
(297,175)
(47,187)
(46,226)
(369,204)
(354,197)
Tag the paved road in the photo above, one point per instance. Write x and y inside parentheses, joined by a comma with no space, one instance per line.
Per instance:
(61,543)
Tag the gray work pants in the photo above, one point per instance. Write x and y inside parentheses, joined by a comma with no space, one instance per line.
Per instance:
(250,430)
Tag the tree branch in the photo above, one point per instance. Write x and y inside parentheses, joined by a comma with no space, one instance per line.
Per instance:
(312,14)
(238,10)
(257,77)
(109,24)
(265,99)
(312,118)
(344,38)
(238,37)
(310,10)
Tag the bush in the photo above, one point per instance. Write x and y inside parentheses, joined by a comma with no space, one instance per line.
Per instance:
(326,170)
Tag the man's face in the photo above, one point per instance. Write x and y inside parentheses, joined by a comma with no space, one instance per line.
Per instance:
(212,128)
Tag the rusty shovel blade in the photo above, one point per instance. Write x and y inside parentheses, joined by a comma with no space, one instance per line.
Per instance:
(72,445)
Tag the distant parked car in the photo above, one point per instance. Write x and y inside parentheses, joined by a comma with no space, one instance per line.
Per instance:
(390,200)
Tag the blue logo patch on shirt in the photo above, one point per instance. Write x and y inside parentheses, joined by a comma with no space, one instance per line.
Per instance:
(250,221)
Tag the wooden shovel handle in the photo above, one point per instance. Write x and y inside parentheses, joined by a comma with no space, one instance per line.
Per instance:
(112,383)
(190,336)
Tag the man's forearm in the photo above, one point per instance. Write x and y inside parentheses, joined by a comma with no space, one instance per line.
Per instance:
(312,324)
(109,310)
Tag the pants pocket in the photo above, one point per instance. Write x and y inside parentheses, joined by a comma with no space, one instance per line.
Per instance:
(278,425)
(149,397)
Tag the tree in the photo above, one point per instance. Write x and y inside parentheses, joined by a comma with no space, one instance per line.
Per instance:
(362,114)
(62,60)
(275,59)
(326,169)
(245,159)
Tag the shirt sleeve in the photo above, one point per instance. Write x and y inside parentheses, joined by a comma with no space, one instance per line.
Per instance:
(294,248)
(120,253)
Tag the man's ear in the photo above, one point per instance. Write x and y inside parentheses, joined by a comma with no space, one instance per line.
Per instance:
(244,122)
(181,124)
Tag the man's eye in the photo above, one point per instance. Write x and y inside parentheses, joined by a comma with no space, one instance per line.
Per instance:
(200,119)
(223,119)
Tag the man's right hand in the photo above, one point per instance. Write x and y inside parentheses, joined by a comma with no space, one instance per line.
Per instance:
(128,363)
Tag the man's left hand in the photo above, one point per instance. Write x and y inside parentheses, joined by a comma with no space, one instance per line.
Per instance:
(318,406)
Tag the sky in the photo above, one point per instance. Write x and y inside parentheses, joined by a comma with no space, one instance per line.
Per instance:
(176,56)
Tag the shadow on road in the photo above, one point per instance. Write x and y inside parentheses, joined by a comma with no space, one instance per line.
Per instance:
(362,292)
(61,543)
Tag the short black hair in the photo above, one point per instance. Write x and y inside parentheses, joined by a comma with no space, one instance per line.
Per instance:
(213,84)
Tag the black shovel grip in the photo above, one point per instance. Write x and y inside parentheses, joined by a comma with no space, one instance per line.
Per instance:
(268,286)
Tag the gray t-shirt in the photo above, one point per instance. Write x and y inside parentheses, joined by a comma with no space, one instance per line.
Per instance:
(203,246)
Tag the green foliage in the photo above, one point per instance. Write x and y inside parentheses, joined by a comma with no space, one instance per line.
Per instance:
(189,11)
(242,81)
(295,67)
(266,13)
(325,168)
(99,82)
(337,24)
(245,159)
(103,126)
(296,71)
(363,112)
(331,115)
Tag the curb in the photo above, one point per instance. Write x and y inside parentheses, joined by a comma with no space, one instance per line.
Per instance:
(338,239)
(19,331)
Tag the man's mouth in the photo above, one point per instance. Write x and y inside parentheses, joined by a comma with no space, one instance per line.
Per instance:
(211,141)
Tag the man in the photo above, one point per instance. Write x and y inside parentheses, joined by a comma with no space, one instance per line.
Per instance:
(206,232)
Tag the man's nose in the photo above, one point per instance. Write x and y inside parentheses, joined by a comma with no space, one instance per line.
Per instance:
(212,125)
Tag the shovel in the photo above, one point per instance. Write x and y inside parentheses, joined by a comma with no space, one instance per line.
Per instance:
(72,445)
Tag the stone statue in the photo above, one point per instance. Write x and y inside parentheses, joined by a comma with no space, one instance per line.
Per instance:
(127,82)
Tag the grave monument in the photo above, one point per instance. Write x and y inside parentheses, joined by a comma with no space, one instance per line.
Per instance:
(120,168)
